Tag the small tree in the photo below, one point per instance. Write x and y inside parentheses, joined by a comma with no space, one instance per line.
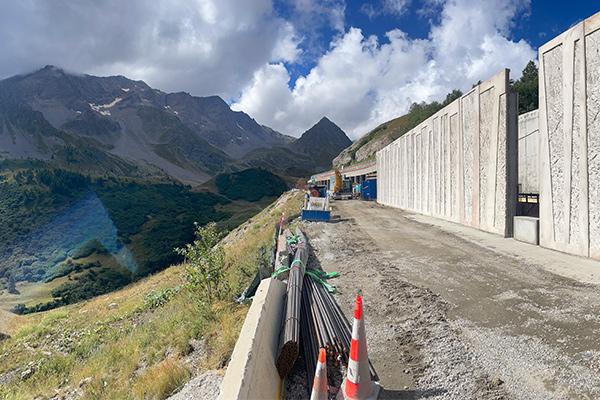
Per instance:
(19,309)
(527,88)
(205,263)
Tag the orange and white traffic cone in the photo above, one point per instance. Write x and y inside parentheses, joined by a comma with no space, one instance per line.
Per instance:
(357,384)
(319,389)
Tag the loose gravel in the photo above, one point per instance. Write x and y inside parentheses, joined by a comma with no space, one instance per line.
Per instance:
(451,318)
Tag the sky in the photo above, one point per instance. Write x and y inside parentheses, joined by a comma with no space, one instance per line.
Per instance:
(287,63)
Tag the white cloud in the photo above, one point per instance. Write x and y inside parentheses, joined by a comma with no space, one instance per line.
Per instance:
(397,7)
(287,46)
(202,46)
(389,7)
(361,82)
(313,21)
(233,47)
(307,12)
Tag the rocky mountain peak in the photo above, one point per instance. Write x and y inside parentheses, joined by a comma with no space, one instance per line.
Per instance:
(323,141)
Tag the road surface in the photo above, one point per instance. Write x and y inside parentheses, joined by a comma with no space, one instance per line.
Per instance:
(456,313)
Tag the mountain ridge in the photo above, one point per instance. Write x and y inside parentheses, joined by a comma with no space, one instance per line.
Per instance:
(312,152)
(322,147)
(126,127)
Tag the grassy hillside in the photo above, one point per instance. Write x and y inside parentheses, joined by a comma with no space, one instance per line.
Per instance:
(282,160)
(250,191)
(364,149)
(250,184)
(50,215)
(138,342)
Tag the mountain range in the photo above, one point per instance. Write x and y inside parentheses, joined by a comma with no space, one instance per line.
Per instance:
(117,126)
(101,178)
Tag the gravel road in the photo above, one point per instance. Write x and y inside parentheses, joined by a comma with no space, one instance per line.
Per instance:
(454,313)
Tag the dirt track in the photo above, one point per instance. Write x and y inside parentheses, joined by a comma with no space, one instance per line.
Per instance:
(455,313)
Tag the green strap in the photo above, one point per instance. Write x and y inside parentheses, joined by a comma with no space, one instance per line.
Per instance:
(298,261)
(279,271)
(315,275)
(325,275)
(283,268)
(292,239)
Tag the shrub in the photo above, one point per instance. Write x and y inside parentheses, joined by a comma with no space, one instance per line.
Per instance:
(19,309)
(158,298)
(205,263)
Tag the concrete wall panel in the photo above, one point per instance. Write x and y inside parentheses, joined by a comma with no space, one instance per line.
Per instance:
(455,165)
(454,203)
(569,167)
(592,52)
(470,108)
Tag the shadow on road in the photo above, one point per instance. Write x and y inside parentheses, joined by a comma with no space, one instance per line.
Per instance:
(411,394)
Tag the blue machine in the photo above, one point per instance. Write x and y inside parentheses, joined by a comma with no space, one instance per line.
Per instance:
(369,189)
(316,215)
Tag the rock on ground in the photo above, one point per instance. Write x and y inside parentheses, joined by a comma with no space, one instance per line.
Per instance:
(203,387)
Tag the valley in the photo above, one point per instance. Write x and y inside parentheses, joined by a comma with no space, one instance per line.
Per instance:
(142,341)
(72,237)
(102,178)
(217,200)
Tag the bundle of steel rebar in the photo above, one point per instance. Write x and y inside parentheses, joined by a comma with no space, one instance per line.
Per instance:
(290,343)
(324,326)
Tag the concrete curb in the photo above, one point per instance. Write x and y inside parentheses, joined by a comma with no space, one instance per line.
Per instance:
(251,373)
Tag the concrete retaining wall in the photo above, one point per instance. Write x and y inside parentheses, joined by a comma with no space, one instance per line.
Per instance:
(529,156)
(461,163)
(251,373)
(570,140)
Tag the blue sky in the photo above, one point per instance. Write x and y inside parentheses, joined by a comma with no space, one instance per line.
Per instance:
(287,63)
(541,22)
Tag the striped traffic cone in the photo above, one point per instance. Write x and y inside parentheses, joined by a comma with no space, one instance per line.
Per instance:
(319,389)
(357,384)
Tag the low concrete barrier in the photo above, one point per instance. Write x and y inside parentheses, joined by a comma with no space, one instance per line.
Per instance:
(527,229)
(251,373)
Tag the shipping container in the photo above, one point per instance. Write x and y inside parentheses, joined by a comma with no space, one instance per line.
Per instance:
(369,189)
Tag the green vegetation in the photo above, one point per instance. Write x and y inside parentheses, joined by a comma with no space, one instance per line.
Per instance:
(150,219)
(91,283)
(205,263)
(94,281)
(158,298)
(417,113)
(527,88)
(90,247)
(68,267)
(250,184)
(123,346)
(156,218)
(11,286)
(30,197)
